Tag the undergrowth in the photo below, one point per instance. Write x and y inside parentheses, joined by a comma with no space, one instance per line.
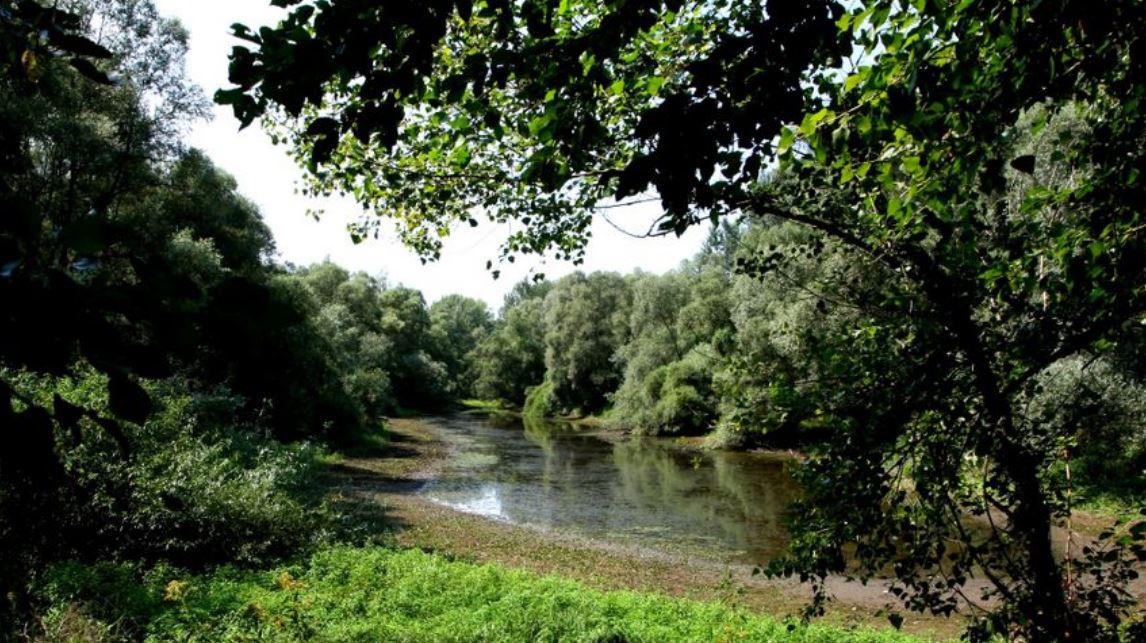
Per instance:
(379,594)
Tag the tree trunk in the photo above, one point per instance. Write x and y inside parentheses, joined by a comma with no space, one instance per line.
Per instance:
(1043,600)
(1045,607)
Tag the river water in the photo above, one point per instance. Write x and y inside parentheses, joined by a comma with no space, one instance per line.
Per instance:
(647,492)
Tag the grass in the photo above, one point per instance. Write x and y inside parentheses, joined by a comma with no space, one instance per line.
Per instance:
(492,406)
(374,594)
(1113,502)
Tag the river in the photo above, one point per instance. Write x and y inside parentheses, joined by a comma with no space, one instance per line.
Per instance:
(645,492)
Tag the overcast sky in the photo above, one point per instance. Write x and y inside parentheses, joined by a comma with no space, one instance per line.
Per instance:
(267,176)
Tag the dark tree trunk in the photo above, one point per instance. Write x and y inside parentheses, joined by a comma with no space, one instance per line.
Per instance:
(1043,603)
(1046,607)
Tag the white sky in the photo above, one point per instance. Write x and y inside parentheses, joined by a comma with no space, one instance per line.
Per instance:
(267,176)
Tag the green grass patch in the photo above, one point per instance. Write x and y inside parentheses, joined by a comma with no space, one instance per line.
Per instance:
(379,594)
(492,406)
(1112,504)
(369,442)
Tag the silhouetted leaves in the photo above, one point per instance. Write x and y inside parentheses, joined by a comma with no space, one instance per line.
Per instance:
(465,9)
(1024,163)
(65,413)
(324,132)
(127,399)
(388,91)
(80,46)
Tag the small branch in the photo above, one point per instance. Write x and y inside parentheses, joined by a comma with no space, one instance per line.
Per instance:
(648,235)
(613,206)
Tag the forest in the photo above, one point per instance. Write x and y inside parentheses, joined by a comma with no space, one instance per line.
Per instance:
(923,291)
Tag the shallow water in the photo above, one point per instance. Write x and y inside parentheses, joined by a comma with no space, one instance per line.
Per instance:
(644,492)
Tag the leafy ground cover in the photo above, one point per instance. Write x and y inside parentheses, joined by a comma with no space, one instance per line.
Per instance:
(378,593)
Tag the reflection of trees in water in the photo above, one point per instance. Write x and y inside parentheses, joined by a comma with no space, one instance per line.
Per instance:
(561,495)
(734,497)
(568,455)
(539,431)
(762,489)
(564,479)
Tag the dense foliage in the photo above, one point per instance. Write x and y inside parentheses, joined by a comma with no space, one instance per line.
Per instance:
(956,260)
(162,381)
(937,290)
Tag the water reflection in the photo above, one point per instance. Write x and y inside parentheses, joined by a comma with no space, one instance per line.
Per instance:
(641,491)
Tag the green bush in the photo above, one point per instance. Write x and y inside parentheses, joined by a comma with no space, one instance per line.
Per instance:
(677,397)
(103,601)
(540,401)
(194,488)
(1102,407)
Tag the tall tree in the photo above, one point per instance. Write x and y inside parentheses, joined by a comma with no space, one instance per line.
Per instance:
(586,321)
(457,325)
(76,150)
(511,358)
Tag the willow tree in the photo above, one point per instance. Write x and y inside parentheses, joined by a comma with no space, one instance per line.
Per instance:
(899,124)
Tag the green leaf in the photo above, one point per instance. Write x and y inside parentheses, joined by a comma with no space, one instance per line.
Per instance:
(460,157)
(787,139)
(588,62)
(540,127)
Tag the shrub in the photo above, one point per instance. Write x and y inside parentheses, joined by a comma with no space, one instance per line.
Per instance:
(540,401)
(1102,407)
(195,488)
(674,398)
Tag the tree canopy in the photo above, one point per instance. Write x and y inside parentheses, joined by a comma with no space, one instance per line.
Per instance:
(446,112)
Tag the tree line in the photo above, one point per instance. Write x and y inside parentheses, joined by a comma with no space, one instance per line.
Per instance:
(729,345)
